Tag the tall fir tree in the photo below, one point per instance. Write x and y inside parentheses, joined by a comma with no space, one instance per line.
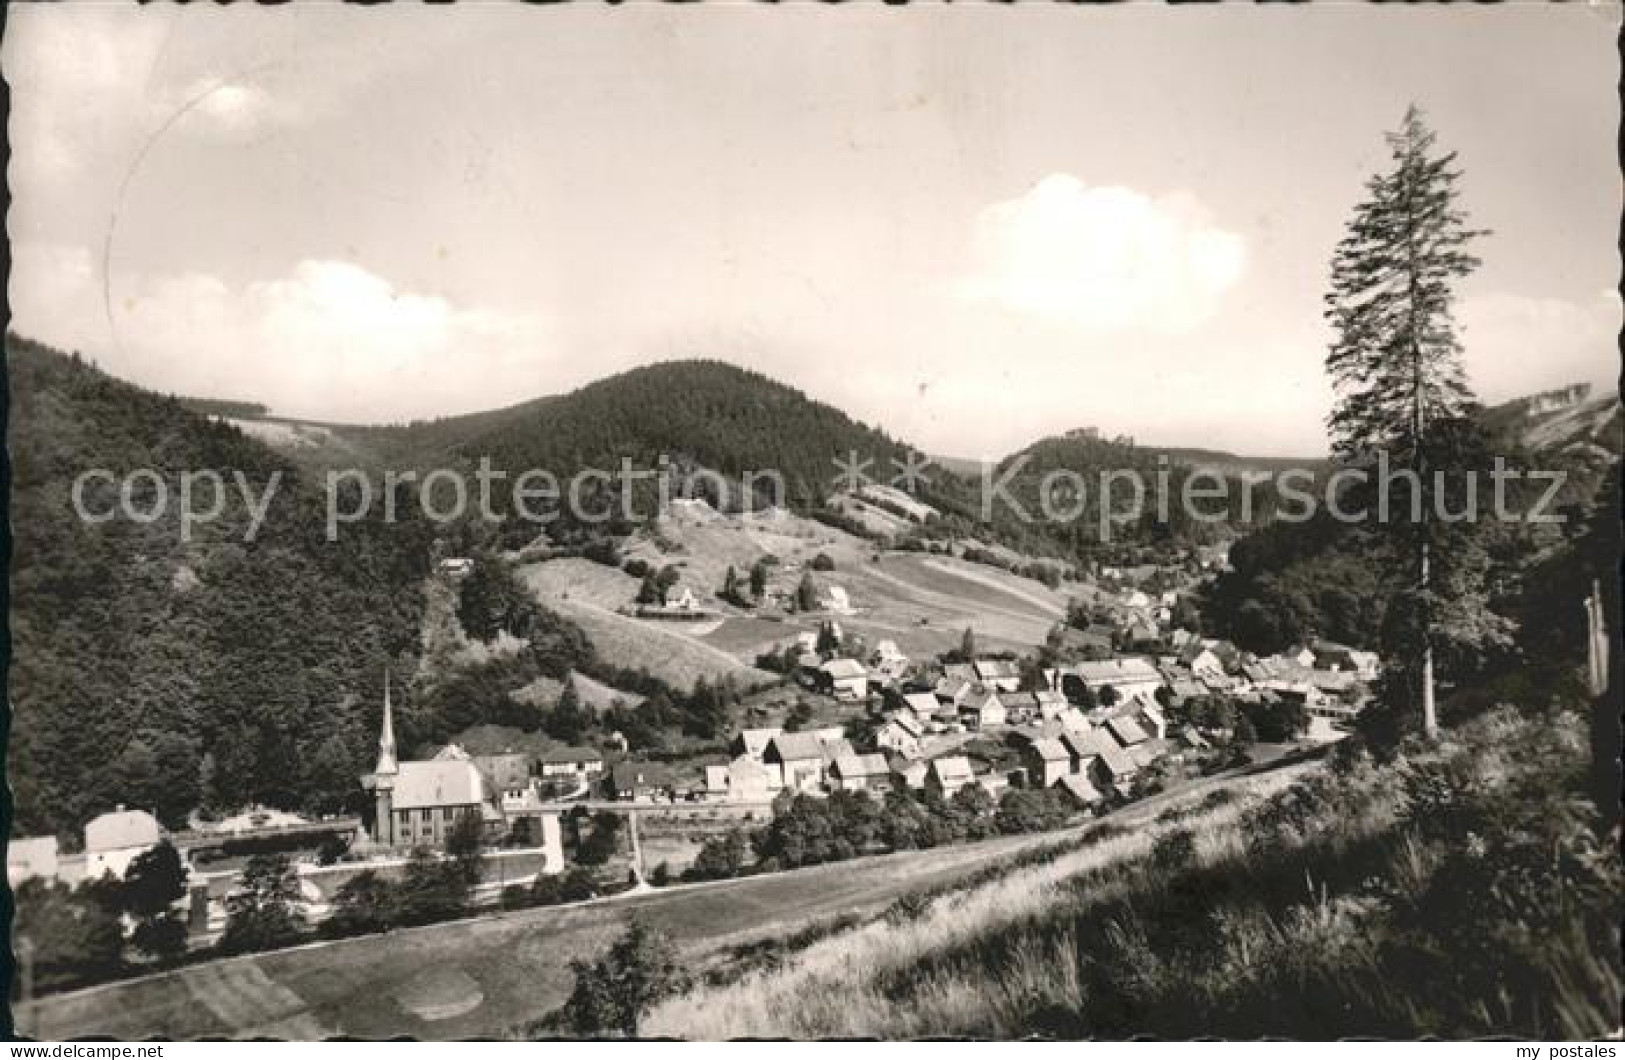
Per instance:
(1395,362)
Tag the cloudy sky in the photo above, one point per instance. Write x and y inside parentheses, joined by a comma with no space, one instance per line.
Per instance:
(972,226)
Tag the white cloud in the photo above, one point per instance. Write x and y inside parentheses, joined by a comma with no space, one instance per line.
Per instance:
(330,340)
(1517,345)
(1103,259)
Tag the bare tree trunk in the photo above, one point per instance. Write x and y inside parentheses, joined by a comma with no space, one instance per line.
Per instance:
(1430,715)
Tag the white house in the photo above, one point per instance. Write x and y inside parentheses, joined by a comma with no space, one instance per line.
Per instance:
(115,839)
(923,705)
(571,761)
(845,679)
(682,598)
(901,733)
(1129,678)
(982,709)
(744,779)
(948,775)
(859,772)
(27,858)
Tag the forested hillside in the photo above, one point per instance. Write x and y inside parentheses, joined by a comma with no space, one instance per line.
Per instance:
(1293,581)
(156,672)
(1134,522)
(697,414)
(728,420)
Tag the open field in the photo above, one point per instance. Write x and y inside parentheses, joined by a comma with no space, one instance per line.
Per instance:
(1341,907)
(667,649)
(922,602)
(484,976)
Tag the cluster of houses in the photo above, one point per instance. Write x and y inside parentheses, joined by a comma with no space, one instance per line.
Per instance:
(1330,681)
(1090,727)
(770,761)
(111,842)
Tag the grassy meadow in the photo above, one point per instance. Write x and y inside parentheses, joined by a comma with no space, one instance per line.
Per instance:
(1458,890)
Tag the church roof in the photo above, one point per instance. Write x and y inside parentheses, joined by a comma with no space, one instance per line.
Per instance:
(442,782)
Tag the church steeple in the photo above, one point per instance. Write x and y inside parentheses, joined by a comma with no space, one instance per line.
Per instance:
(387,765)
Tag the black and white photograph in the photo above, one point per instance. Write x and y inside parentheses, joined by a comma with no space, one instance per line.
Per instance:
(717,521)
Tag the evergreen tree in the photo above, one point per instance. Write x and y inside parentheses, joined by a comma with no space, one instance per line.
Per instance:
(967,645)
(570,719)
(1395,363)
(807,594)
(828,643)
(758,579)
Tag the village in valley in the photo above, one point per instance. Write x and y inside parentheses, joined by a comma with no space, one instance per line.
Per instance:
(971,523)
(1115,701)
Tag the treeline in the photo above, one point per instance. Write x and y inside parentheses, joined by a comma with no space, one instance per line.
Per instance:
(492,601)
(243,410)
(1291,582)
(166,674)
(73,937)
(812,831)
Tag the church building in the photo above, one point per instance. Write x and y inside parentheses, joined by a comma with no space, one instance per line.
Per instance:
(417,803)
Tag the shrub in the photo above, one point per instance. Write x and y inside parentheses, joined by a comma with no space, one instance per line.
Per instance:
(612,993)
(1173,850)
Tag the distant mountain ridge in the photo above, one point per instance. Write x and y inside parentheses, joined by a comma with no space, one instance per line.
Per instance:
(1565,418)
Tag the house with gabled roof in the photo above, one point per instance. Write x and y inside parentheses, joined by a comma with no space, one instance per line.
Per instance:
(888,660)
(1127,676)
(631,779)
(855,772)
(1000,674)
(901,733)
(1126,730)
(744,779)
(982,709)
(909,775)
(952,690)
(947,775)
(1200,660)
(1047,761)
(845,679)
(113,840)
(1153,721)
(1082,747)
(800,755)
(923,705)
(1050,702)
(753,742)
(1110,766)
(571,761)
(1081,789)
